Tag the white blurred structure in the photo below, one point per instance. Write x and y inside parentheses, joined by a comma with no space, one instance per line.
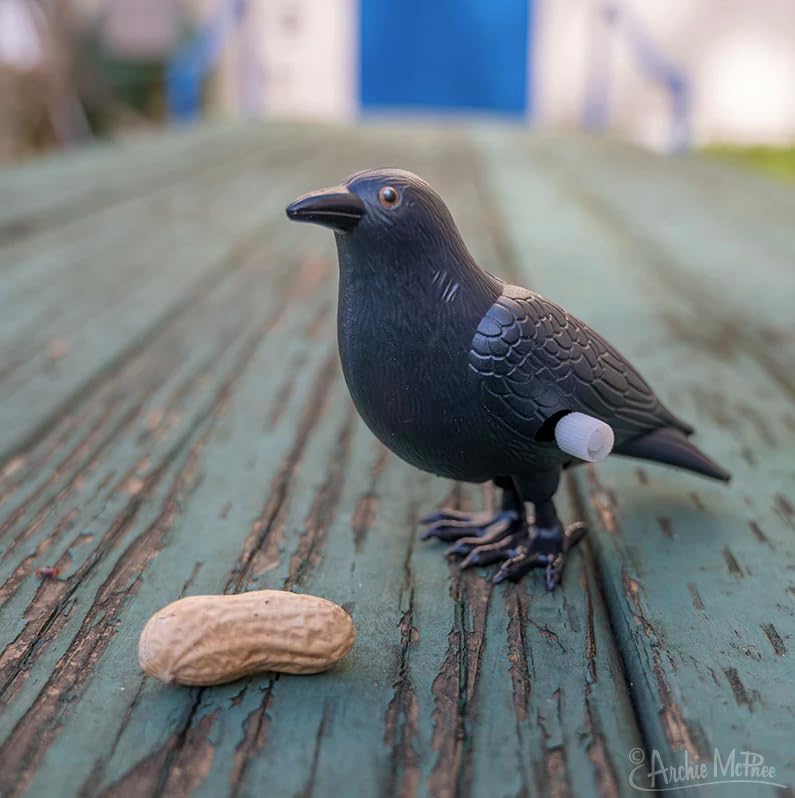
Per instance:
(660,72)
(21,45)
(737,58)
(309,51)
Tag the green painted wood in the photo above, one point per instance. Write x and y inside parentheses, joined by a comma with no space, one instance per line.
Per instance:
(219,451)
(198,438)
(136,285)
(724,243)
(697,577)
(50,192)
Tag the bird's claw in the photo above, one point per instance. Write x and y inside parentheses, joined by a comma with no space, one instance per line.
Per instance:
(446,514)
(453,525)
(545,549)
(553,573)
(490,553)
(573,534)
(463,546)
(519,564)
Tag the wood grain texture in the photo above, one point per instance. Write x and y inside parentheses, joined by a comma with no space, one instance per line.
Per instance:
(191,433)
(694,574)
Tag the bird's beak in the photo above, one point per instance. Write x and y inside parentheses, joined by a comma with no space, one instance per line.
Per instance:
(336,208)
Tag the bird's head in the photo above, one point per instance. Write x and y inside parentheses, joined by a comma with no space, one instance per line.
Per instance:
(377,206)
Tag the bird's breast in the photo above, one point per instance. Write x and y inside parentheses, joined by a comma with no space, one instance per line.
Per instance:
(409,378)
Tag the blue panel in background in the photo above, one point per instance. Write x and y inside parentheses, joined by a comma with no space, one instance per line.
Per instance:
(445,54)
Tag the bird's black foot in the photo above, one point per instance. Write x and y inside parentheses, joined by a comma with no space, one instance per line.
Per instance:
(507,536)
(470,528)
(482,539)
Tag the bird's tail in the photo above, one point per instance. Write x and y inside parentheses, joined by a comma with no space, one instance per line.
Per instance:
(671,446)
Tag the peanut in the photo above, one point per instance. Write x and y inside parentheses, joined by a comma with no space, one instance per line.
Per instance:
(206,640)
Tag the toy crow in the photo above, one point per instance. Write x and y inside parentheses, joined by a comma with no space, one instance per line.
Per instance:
(470,378)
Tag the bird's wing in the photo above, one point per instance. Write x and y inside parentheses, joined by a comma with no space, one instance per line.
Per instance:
(536,360)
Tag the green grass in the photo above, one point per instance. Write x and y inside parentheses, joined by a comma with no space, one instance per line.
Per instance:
(779,162)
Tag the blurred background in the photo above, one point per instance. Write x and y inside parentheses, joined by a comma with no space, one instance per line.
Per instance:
(674,75)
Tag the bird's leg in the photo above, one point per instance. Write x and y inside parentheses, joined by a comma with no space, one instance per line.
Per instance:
(545,546)
(475,529)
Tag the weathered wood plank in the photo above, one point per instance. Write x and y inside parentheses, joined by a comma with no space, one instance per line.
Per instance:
(702,239)
(223,454)
(50,192)
(104,321)
(126,526)
(697,576)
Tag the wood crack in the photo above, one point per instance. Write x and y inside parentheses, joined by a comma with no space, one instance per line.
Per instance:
(401,717)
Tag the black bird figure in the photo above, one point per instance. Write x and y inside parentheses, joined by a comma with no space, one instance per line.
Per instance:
(470,378)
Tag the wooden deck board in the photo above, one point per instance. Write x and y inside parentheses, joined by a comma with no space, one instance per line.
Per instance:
(45,195)
(697,577)
(198,437)
(724,254)
(157,278)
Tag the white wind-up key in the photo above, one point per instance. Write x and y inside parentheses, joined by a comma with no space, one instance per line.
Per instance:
(585,437)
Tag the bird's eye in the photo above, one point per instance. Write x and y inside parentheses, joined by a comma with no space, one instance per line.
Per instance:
(389,197)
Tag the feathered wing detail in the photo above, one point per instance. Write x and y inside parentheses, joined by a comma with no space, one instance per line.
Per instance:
(535,360)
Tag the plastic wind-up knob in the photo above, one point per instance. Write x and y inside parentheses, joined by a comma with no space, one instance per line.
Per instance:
(585,437)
